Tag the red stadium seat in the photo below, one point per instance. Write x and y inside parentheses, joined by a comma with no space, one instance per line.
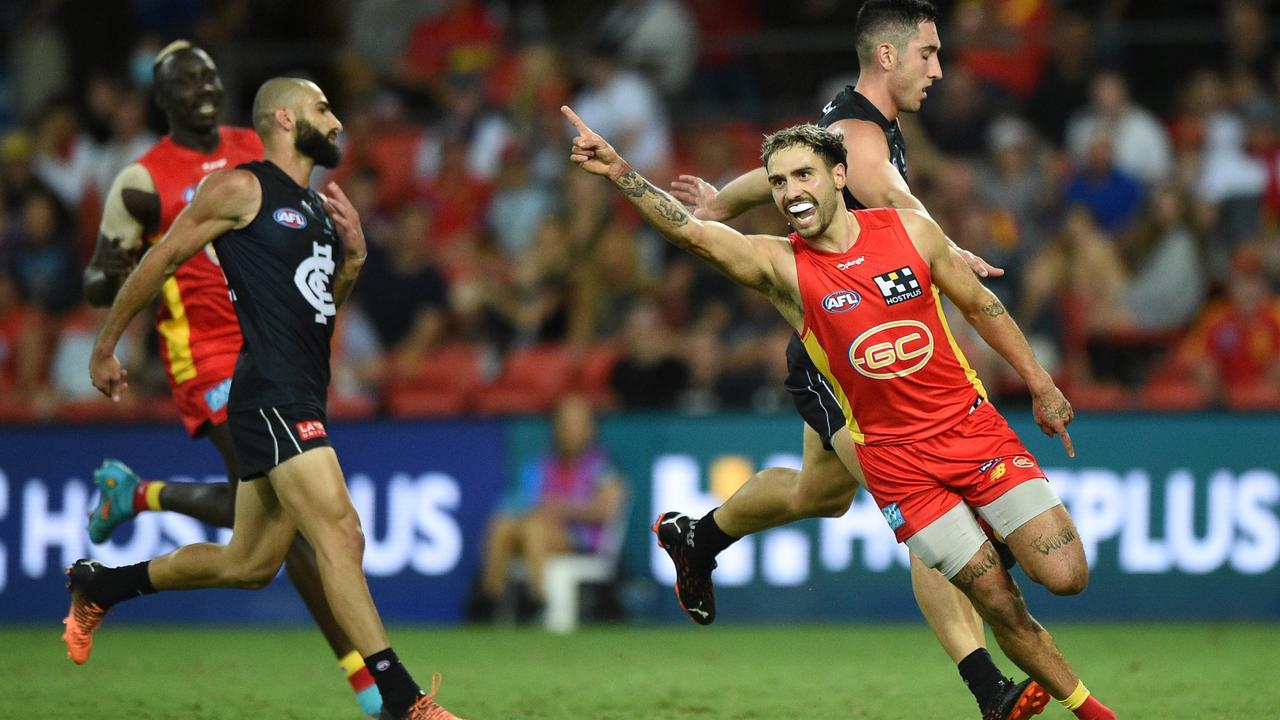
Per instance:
(1173,394)
(412,403)
(592,379)
(1258,396)
(531,380)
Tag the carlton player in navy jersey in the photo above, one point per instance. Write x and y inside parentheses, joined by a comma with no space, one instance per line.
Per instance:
(898,44)
(291,257)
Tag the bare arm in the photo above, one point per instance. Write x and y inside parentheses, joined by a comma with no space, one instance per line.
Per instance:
(875,181)
(351,233)
(740,195)
(759,262)
(226,200)
(131,212)
(987,315)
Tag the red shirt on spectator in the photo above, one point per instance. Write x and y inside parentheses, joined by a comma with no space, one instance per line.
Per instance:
(464,38)
(1243,344)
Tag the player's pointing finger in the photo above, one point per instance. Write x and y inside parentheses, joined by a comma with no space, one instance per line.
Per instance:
(573,118)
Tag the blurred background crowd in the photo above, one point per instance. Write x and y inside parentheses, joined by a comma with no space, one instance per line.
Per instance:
(1120,160)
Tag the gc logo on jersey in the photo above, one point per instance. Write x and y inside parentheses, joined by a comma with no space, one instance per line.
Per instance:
(892,350)
(290,218)
(841,301)
(898,286)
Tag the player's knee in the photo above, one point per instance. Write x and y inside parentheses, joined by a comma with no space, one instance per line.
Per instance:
(254,575)
(1066,581)
(833,505)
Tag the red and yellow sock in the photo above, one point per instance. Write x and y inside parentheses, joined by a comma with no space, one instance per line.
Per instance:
(147,496)
(357,674)
(1083,705)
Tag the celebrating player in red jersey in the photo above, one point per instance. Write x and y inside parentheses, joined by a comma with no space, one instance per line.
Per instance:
(198,329)
(934,453)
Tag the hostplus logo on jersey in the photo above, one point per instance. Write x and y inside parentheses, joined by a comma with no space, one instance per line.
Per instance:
(841,301)
(312,279)
(899,286)
(290,218)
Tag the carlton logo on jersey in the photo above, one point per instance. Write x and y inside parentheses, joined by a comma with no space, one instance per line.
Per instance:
(312,280)
(290,218)
(892,350)
(841,301)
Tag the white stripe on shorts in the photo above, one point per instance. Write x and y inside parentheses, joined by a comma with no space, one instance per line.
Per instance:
(274,441)
(286,431)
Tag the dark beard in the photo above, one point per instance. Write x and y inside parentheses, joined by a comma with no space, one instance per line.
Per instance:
(316,146)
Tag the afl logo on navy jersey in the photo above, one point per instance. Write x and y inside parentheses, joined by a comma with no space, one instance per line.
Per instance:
(290,218)
(841,301)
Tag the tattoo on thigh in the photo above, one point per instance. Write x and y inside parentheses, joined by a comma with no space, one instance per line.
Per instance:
(1044,547)
(988,561)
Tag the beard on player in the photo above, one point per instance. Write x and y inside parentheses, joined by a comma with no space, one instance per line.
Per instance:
(310,142)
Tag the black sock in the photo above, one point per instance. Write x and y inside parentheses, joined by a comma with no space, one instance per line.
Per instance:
(709,539)
(114,585)
(981,675)
(398,689)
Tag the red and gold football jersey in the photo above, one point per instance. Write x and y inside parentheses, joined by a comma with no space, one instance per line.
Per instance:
(199,334)
(873,325)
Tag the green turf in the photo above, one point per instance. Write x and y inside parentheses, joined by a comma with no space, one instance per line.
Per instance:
(1198,672)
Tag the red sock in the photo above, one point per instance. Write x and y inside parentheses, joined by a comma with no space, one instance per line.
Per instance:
(140,497)
(1094,710)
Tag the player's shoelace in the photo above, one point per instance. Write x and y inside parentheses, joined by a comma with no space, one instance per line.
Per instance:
(81,622)
(426,708)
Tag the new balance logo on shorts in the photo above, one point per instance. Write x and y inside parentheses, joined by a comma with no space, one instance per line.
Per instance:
(898,286)
(311,429)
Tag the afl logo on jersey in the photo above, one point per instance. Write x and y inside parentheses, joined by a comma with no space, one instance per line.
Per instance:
(892,350)
(841,301)
(290,218)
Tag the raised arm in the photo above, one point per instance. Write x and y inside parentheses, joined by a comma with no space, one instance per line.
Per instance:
(226,200)
(987,315)
(130,214)
(740,195)
(760,262)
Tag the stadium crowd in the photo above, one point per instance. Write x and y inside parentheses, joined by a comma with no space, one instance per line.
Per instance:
(1138,224)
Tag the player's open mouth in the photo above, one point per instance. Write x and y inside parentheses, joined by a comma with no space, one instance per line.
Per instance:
(207,108)
(802,212)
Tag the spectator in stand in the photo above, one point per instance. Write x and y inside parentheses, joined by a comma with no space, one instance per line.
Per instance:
(402,292)
(650,375)
(520,205)
(42,257)
(1168,279)
(656,37)
(726,77)
(23,347)
(129,137)
(957,120)
(561,503)
(1017,182)
(65,158)
(1140,142)
(1064,86)
(463,38)
(1235,343)
(1002,42)
(1111,194)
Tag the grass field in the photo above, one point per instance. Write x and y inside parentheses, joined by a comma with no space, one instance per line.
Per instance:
(1192,672)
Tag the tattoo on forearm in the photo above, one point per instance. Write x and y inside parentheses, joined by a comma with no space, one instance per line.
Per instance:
(985,564)
(993,309)
(1044,547)
(633,185)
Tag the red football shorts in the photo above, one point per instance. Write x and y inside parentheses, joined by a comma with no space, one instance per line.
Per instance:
(976,461)
(202,402)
